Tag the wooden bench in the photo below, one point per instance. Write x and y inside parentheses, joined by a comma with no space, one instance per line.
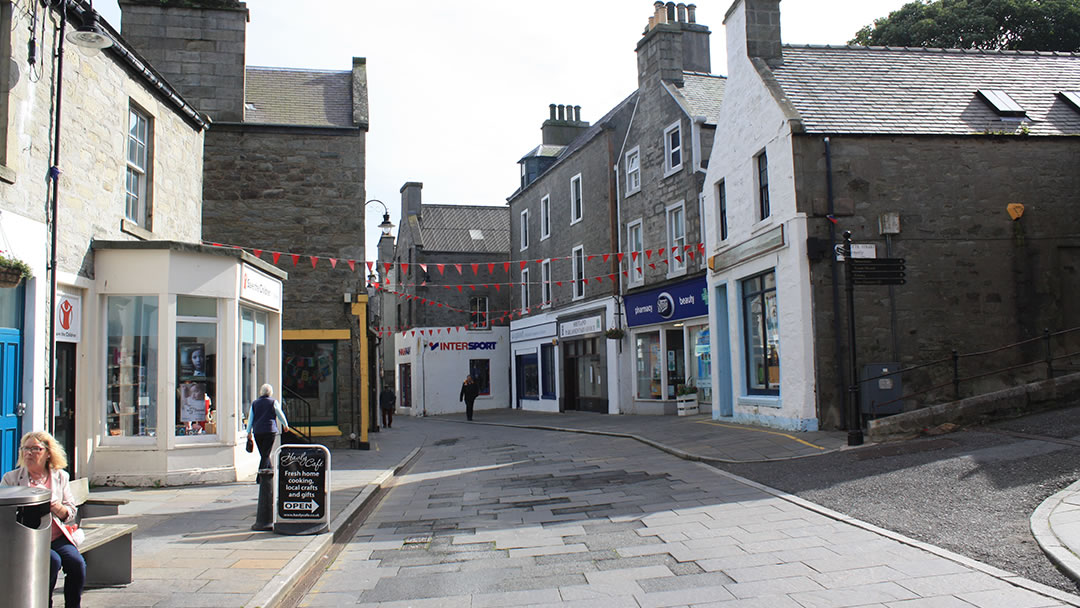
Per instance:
(107,547)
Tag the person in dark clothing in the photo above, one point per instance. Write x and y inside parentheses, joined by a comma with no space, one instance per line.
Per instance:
(469,390)
(263,423)
(386,405)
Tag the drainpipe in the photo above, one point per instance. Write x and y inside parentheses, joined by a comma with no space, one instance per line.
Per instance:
(834,267)
(54,174)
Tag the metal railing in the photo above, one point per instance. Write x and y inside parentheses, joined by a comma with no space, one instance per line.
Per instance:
(1055,349)
(305,406)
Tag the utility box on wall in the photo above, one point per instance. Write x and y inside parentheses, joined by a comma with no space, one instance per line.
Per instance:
(881,395)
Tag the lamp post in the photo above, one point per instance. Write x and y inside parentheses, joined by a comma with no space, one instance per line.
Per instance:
(359,310)
(90,40)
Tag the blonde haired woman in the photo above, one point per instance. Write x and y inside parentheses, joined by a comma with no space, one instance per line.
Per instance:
(41,465)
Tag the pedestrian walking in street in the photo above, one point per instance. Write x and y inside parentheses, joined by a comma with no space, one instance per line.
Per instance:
(386,405)
(41,465)
(263,423)
(469,390)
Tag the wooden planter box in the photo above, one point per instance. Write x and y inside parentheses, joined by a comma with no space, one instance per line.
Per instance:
(687,405)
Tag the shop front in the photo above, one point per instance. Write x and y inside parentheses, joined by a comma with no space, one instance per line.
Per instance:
(177,340)
(432,364)
(585,363)
(671,345)
(534,343)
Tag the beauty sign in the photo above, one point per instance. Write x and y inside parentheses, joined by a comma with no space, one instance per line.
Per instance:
(303,482)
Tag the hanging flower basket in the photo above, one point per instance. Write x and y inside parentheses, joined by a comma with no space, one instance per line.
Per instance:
(13,271)
(615,333)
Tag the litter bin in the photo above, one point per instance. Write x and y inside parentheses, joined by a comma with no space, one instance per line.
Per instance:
(25,518)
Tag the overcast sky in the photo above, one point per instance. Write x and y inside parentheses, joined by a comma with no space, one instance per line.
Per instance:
(458,90)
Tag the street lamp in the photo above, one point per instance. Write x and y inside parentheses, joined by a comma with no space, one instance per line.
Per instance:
(89,37)
(386,226)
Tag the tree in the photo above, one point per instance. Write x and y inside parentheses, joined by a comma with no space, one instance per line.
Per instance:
(1017,25)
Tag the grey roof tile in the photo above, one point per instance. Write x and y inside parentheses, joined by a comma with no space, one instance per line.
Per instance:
(451,228)
(282,96)
(849,89)
(703,94)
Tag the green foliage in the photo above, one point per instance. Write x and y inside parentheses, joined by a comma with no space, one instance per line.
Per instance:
(14,262)
(615,333)
(686,389)
(1015,25)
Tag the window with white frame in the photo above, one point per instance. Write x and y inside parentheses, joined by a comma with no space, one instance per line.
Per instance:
(545,283)
(761,162)
(524,288)
(633,171)
(578,259)
(635,242)
(196,366)
(524,230)
(575,199)
(478,312)
(676,233)
(673,148)
(721,210)
(137,181)
(545,217)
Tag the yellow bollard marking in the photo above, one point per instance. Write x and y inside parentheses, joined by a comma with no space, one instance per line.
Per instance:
(732,426)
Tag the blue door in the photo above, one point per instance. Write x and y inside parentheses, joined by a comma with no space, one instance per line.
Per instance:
(10,393)
(722,354)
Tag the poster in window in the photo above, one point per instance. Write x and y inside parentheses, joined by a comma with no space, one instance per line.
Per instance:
(193,402)
(192,359)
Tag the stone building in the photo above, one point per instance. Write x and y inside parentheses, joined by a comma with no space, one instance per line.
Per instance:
(608,217)
(148,329)
(449,289)
(661,170)
(283,174)
(963,163)
(563,234)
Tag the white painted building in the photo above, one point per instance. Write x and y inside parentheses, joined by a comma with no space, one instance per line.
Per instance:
(759,285)
(431,365)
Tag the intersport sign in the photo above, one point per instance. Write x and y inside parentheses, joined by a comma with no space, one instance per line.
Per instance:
(448,346)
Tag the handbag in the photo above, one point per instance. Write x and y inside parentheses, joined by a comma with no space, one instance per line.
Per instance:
(250,447)
(75,533)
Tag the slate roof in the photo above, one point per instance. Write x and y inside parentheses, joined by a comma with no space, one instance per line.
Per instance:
(283,96)
(701,95)
(449,228)
(549,150)
(850,89)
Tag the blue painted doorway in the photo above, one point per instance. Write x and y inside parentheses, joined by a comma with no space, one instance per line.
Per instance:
(721,352)
(10,393)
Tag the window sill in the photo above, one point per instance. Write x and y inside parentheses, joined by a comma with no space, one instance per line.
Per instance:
(632,192)
(762,225)
(676,273)
(577,221)
(7,174)
(129,227)
(672,171)
(760,400)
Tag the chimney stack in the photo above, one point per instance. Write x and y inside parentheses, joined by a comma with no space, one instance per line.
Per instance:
(410,200)
(564,125)
(763,31)
(672,44)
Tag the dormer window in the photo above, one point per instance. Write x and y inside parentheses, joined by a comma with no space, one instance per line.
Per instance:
(1073,97)
(1002,103)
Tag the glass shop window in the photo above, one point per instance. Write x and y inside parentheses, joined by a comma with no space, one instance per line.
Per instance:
(647,365)
(131,353)
(196,366)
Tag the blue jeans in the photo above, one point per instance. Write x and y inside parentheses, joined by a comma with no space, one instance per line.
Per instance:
(65,554)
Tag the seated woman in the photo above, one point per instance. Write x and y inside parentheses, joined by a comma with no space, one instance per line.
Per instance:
(41,465)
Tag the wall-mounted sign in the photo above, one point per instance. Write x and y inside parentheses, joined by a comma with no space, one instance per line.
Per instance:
(404,352)
(68,318)
(580,327)
(455,346)
(260,288)
(747,250)
(671,303)
(303,489)
(543,330)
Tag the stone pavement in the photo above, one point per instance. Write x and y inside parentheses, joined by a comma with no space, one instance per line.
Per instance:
(1056,527)
(193,546)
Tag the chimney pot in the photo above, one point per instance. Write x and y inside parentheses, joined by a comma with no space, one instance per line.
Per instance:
(671,12)
(551,111)
(577,113)
(681,8)
(652,22)
(691,9)
(658,13)
(562,112)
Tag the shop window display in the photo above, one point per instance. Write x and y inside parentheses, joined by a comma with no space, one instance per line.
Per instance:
(647,365)
(310,372)
(131,366)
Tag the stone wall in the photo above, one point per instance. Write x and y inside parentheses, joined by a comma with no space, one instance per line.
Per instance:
(200,51)
(97,94)
(976,279)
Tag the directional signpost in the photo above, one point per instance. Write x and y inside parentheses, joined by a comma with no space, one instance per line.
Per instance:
(303,497)
(863,271)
